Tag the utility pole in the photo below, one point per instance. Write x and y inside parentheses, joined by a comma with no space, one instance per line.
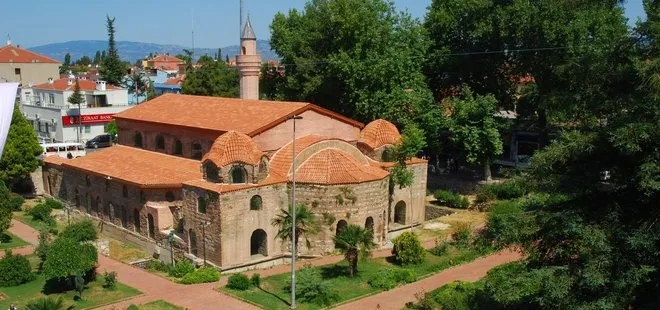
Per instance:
(293,215)
(240,27)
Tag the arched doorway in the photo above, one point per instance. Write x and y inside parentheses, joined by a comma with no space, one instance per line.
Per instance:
(88,202)
(136,220)
(341,225)
(77,198)
(124,217)
(369,224)
(258,243)
(111,212)
(95,206)
(150,225)
(400,213)
(192,241)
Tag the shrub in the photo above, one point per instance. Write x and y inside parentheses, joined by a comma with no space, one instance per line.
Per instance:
(110,280)
(201,275)
(181,268)
(440,248)
(443,196)
(387,279)
(405,275)
(42,247)
(256,280)
(16,201)
(67,258)
(82,231)
(451,199)
(458,295)
(484,196)
(311,288)
(407,249)
(157,265)
(132,307)
(462,202)
(509,189)
(239,282)
(507,224)
(462,236)
(54,204)
(41,212)
(15,270)
(48,302)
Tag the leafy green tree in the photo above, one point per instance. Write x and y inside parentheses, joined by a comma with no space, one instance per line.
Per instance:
(111,128)
(136,84)
(67,60)
(84,61)
(354,242)
(412,143)
(77,99)
(42,247)
(67,257)
(19,157)
(306,224)
(408,250)
(474,128)
(213,78)
(113,69)
(46,303)
(5,208)
(102,56)
(81,231)
(270,81)
(151,91)
(15,270)
(187,57)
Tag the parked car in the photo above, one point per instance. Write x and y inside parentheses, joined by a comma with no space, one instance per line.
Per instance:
(104,140)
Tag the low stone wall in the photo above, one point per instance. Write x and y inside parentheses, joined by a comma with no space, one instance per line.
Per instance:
(141,263)
(433,212)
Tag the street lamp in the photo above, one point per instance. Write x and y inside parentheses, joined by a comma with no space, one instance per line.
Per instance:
(293,215)
(204,224)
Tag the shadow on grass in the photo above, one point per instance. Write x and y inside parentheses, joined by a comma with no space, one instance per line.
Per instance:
(334,271)
(275,295)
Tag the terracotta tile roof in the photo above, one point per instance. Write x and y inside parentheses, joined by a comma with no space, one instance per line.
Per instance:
(63,85)
(233,147)
(280,163)
(334,166)
(139,167)
(10,53)
(225,188)
(55,160)
(378,133)
(176,81)
(250,117)
(385,165)
(165,58)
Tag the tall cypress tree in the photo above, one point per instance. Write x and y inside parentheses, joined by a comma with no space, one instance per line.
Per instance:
(97,58)
(113,69)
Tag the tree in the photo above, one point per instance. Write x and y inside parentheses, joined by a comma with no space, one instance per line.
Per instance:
(270,81)
(46,303)
(67,257)
(187,57)
(306,224)
(151,91)
(81,231)
(111,128)
(136,84)
(407,249)
(84,61)
(474,128)
(412,143)
(102,56)
(219,54)
(354,242)
(213,78)
(5,208)
(66,64)
(113,69)
(19,157)
(358,58)
(97,58)
(15,270)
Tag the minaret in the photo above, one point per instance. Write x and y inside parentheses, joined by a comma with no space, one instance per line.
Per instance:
(249,63)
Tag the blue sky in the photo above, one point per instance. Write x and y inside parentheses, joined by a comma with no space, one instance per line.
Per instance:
(37,22)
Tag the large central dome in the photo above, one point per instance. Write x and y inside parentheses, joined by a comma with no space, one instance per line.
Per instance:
(233,147)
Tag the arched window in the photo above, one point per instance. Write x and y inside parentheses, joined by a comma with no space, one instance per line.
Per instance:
(211,172)
(88,180)
(160,142)
(263,167)
(151,227)
(137,139)
(124,191)
(196,151)
(192,242)
(400,213)
(124,217)
(243,51)
(238,175)
(136,220)
(88,202)
(388,155)
(95,206)
(76,198)
(63,193)
(201,204)
(369,224)
(255,202)
(107,185)
(169,196)
(259,243)
(341,225)
(177,149)
(111,212)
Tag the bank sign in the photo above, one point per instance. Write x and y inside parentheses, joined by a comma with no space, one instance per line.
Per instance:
(86,119)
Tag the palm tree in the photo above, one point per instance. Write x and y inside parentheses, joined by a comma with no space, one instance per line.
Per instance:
(306,224)
(46,303)
(354,242)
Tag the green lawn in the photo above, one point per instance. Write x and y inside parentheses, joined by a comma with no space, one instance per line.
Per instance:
(38,225)
(159,305)
(273,294)
(9,240)
(94,295)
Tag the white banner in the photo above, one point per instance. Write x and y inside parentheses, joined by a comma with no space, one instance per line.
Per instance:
(7,100)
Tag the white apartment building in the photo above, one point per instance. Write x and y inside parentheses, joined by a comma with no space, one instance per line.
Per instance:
(54,119)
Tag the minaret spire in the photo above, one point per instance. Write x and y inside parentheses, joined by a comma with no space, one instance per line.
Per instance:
(249,63)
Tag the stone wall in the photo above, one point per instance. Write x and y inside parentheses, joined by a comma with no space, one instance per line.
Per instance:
(415,210)
(433,212)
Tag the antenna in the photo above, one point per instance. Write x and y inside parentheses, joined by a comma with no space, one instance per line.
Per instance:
(192,21)
(240,27)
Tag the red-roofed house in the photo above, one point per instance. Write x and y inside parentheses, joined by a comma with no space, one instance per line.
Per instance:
(164,62)
(26,67)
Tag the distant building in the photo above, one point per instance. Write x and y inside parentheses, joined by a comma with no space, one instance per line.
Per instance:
(54,119)
(26,67)
(170,86)
(164,62)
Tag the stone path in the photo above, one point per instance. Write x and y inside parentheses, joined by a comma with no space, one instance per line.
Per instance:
(203,296)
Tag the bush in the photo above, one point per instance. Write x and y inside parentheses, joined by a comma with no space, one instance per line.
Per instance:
(54,204)
(157,265)
(507,224)
(42,247)
(451,199)
(132,307)
(462,236)
(256,280)
(440,248)
(15,270)
(239,282)
(201,275)
(458,295)
(311,288)
(82,231)
(66,258)
(47,302)
(387,279)
(462,202)
(407,249)
(41,212)
(16,201)
(110,280)
(509,189)
(405,275)
(181,268)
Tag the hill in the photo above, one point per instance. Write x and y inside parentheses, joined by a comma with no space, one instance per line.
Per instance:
(132,51)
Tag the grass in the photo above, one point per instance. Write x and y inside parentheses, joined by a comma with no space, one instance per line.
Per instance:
(458,218)
(10,241)
(94,295)
(125,252)
(37,225)
(273,294)
(159,305)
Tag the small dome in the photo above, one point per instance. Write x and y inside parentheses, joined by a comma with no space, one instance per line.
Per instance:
(378,133)
(334,166)
(233,147)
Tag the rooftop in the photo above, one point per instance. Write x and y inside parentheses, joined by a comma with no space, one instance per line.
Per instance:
(166,58)
(334,166)
(378,133)
(233,147)
(63,85)
(250,117)
(14,54)
(141,168)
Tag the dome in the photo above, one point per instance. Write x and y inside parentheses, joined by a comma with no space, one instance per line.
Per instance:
(378,133)
(335,166)
(233,147)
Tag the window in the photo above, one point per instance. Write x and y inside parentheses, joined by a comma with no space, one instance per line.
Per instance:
(47,131)
(211,172)
(178,148)
(88,180)
(255,202)
(143,198)
(38,126)
(160,142)
(17,71)
(107,185)
(137,139)
(238,175)
(201,204)
(51,98)
(169,196)
(88,129)
(196,151)
(151,226)
(136,220)
(124,191)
